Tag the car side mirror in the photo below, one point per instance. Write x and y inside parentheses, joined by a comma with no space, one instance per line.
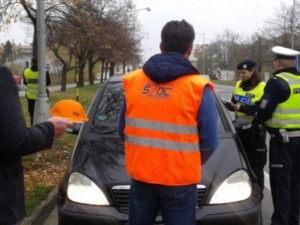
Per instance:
(75,129)
(241,124)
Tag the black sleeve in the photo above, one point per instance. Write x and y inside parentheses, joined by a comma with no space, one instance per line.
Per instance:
(248,109)
(16,139)
(233,100)
(276,91)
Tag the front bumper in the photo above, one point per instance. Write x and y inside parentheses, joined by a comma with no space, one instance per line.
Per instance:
(238,214)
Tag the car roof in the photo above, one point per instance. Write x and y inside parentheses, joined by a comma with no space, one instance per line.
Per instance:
(116,78)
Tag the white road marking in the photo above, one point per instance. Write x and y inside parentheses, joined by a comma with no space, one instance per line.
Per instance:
(267,180)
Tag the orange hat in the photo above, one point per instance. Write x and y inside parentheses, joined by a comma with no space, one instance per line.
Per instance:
(70,109)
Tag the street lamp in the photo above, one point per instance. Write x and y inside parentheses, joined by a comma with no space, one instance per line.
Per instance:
(145,51)
(42,102)
(147,9)
(134,64)
(293,24)
(203,35)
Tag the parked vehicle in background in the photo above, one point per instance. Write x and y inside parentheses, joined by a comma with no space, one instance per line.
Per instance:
(95,188)
(206,76)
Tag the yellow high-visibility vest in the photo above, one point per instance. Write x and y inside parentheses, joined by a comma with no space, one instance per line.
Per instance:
(287,114)
(250,97)
(31,78)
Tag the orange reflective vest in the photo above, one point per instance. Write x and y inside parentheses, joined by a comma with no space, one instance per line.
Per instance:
(161,133)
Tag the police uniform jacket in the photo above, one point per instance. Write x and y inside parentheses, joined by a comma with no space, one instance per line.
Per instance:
(16,140)
(248,98)
(276,91)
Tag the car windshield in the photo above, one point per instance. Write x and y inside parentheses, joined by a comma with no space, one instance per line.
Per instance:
(108,111)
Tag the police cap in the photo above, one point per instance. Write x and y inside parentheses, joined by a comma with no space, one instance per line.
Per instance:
(247,64)
(284,53)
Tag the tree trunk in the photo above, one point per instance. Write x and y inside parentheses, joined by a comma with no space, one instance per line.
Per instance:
(91,75)
(102,70)
(106,69)
(35,40)
(112,68)
(81,78)
(64,79)
(124,67)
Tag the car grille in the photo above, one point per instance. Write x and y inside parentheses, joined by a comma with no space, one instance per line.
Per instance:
(121,196)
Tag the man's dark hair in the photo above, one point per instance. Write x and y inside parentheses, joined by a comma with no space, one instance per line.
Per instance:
(177,36)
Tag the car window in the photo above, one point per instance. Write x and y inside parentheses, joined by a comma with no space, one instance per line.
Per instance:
(108,111)
(221,127)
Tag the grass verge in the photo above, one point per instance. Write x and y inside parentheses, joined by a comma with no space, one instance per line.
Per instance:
(44,170)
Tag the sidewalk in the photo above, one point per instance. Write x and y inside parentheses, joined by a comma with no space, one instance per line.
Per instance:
(42,211)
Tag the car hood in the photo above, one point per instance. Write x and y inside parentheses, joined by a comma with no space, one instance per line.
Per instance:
(102,160)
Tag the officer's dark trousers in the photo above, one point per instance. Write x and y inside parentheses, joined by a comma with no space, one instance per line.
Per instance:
(31,103)
(256,151)
(285,181)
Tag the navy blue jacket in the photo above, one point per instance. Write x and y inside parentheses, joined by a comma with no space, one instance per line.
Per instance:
(16,140)
(167,67)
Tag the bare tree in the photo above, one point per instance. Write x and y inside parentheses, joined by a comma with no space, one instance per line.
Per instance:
(279,27)
(25,11)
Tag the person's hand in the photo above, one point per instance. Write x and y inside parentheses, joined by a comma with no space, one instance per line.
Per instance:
(230,106)
(60,125)
(235,107)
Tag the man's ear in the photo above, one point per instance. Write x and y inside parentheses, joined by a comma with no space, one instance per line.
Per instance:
(161,47)
(189,52)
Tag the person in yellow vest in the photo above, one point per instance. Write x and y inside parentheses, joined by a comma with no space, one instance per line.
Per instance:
(169,124)
(31,78)
(280,110)
(245,100)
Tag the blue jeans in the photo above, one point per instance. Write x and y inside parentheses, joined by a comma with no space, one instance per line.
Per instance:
(176,203)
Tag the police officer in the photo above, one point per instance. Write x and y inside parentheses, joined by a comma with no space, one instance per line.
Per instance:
(31,78)
(280,110)
(245,99)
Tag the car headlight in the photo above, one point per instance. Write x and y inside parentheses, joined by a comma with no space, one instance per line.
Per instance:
(81,189)
(236,187)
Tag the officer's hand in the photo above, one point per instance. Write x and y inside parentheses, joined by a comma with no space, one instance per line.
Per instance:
(235,107)
(230,106)
(60,125)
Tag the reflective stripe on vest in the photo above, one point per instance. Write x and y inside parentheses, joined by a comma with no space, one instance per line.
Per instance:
(163,127)
(287,114)
(32,83)
(161,134)
(250,97)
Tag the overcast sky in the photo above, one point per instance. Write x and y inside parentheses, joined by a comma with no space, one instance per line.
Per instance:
(210,17)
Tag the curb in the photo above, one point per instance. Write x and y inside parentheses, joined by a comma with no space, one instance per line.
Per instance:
(42,211)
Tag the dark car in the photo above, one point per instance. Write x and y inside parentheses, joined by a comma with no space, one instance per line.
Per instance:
(96,186)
